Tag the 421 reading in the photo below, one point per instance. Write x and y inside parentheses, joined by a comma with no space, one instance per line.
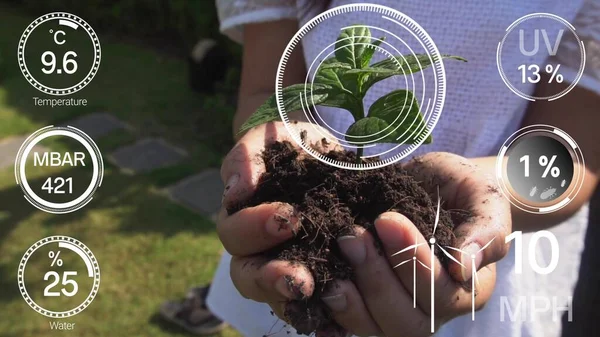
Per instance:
(66,179)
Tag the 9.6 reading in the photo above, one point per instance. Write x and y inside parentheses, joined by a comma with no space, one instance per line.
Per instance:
(69,65)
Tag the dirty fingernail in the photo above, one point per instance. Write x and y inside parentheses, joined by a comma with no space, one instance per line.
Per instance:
(386,216)
(288,288)
(337,303)
(231,182)
(353,249)
(472,254)
(283,288)
(281,225)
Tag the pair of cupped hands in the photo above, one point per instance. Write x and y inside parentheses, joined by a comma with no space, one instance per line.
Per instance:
(379,301)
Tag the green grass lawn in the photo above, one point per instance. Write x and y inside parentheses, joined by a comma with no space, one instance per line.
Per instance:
(148,248)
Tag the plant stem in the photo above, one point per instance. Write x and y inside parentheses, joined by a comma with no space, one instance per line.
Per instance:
(359,153)
(358,115)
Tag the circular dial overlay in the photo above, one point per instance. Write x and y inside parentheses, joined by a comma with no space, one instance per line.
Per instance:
(540,41)
(59,169)
(58,276)
(59,53)
(347,88)
(540,169)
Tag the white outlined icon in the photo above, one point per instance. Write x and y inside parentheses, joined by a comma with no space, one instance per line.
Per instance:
(77,278)
(59,185)
(432,245)
(406,40)
(538,37)
(68,62)
(540,169)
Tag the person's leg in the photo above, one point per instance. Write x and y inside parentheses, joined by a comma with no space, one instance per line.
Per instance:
(192,313)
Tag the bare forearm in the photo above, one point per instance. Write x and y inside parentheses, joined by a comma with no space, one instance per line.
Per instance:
(264,44)
(249,103)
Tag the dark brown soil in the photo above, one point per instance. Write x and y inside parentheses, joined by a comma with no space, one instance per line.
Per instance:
(329,201)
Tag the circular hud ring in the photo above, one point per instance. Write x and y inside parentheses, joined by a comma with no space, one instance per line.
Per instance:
(402,52)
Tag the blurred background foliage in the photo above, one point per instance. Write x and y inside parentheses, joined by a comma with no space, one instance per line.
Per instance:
(151,248)
(175,25)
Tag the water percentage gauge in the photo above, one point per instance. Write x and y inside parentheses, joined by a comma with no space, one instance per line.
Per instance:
(58,276)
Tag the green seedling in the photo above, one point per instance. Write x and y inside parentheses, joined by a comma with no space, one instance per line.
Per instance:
(342,81)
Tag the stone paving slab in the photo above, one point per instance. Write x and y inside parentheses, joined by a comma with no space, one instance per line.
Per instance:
(98,124)
(9,148)
(201,192)
(147,155)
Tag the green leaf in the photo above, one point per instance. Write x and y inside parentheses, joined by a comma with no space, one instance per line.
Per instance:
(341,94)
(333,63)
(400,109)
(371,70)
(365,131)
(291,102)
(351,44)
(332,77)
(368,53)
(345,101)
(412,63)
(400,65)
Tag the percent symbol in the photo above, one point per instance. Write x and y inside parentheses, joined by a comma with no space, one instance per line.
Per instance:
(55,259)
(554,171)
(553,71)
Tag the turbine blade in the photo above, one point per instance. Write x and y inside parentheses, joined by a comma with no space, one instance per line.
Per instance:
(408,248)
(476,279)
(451,257)
(437,213)
(456,249)
(416,240)
(487,245)
(401,263)
(423,264)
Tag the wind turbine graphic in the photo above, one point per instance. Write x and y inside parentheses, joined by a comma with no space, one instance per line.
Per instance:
(414,261)
(474,277)
(431,268)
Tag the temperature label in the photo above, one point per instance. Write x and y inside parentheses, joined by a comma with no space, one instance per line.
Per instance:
(58,276)
(59,53)
(540,168)
(536,39)
(72,176)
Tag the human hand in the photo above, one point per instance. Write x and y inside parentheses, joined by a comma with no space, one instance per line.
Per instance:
(253,230)
(277,282)
(380,300)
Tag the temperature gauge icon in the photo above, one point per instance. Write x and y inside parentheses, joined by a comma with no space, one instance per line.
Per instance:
(58,276)
(540,169)
(59,53)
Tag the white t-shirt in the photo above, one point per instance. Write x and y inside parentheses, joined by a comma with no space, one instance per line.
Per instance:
(480,112)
